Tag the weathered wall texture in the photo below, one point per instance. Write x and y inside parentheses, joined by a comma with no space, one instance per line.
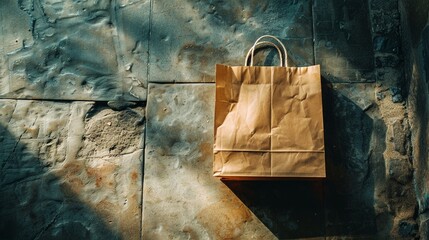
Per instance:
(106,119)
(70,169)
(415,22)
(74,50)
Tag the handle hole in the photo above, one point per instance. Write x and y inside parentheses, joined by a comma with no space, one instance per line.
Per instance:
(266,56)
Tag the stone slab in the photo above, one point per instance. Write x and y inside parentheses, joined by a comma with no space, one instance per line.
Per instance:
(132,18)
(182,199)
(15,27)
(343,44)
(15,33)
(64,175)
(84,50)
(189,37)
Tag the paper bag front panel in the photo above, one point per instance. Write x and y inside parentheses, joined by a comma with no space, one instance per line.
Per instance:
(268,122)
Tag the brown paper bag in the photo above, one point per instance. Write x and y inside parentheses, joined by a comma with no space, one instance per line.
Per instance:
(268,120)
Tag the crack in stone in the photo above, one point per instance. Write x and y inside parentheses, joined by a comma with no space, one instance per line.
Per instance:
(112,156)
(24,179)
(11,116)
(39,235)
(16,144)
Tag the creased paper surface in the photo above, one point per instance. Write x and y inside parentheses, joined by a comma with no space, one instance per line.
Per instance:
(268,122)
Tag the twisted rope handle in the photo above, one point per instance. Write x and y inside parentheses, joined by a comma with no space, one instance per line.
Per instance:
(263,44)
(270,37)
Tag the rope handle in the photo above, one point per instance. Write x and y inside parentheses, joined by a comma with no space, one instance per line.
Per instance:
(263,44)
(270,37)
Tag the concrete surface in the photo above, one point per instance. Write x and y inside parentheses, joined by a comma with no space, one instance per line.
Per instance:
(106,119)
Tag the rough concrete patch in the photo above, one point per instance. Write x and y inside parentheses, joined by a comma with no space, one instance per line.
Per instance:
(181,197)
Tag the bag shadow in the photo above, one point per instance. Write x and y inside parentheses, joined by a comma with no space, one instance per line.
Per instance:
(289,209)
(340,205)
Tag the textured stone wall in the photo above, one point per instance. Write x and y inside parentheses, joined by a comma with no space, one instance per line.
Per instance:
(396,192)
(415,22)
(70,169)
(106,119)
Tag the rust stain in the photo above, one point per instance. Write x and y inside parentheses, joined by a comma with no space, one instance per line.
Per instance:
(75,184)
(72,168)
(134,176)
(98,181)
(72,182)
(224,219)
(102,175)
(108,210)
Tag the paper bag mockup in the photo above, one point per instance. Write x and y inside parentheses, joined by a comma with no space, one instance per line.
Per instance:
(268,121)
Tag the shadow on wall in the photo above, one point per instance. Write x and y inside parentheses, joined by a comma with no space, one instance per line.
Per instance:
(350,158)
(341,205)
(64,62)
(35,204)
(415,27)
(289,209)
